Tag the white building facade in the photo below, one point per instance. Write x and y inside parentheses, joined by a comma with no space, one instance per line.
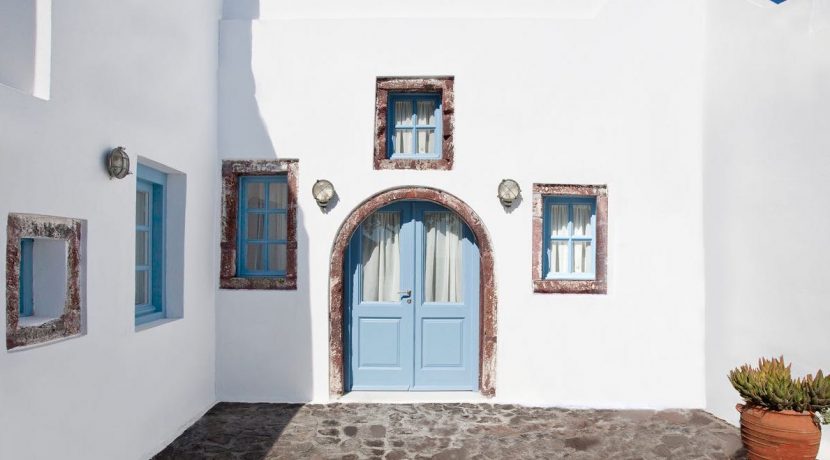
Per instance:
(696,129)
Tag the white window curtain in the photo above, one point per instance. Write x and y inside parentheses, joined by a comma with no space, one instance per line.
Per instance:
(278,195)
(443,264)
(255,253)
(426,116)
(582,249)
(558,258)
(381,257)
(403,117)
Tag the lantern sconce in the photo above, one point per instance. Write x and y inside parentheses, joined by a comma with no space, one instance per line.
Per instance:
(323,191)
(118,163)
(508,192)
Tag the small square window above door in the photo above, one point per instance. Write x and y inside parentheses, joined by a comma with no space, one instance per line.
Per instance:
(414,120)
(414,131)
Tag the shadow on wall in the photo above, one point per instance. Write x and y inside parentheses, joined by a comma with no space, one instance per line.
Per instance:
(242,130)
(264,343)
(302,374)
(250,431)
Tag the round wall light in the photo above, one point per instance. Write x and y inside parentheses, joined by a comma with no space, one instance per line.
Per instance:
(323,192)
(509,191)
(118,163)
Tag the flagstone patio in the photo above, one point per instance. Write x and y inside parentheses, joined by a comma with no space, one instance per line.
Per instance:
(451,431)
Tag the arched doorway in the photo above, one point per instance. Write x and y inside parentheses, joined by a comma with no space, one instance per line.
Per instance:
(487,294)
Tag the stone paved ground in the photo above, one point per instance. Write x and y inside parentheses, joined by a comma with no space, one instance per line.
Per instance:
(450,431)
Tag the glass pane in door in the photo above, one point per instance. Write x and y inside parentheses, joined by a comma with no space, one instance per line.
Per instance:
(443,262)
(380,257)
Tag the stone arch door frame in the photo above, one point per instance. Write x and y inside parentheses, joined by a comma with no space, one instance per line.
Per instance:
(487,287)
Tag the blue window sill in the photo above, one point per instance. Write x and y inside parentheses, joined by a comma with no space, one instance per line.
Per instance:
(153,323)
(422,156)
(276,274)
(570,277)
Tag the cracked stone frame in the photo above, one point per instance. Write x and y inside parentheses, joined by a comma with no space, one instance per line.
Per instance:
(435,85)
(69,324)
(599,285)
(228,246)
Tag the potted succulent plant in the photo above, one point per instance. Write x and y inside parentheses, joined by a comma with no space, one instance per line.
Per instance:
(782,415)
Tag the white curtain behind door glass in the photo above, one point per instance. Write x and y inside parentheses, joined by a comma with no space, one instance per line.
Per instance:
(443,262)
(582,249)
(381,257)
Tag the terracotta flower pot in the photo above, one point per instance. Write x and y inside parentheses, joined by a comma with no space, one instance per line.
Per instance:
(783,434)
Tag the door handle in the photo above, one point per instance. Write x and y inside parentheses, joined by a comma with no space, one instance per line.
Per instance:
(406,293)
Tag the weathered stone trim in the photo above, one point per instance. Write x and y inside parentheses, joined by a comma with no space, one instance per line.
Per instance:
(231,171)
(442,85)
(69,323)
(487,294)
(596,286)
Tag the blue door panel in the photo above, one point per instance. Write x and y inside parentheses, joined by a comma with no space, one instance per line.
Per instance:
(442,343)
(410,344)
(372,332)
(379,333)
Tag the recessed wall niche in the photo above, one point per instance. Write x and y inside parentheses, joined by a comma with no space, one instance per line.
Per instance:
(44,272)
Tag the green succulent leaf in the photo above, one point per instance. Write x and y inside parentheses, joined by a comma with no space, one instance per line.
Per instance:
(771,386)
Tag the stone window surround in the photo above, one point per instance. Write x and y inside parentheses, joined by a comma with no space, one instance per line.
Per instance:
(487,288)
(599,285)
(442,85)
(231,171)
(70,322)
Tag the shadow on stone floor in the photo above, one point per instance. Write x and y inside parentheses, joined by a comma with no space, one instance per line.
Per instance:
(232,430)
(451,431)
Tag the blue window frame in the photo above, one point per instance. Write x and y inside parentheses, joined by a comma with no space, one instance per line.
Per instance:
(414,126)
(570,238)
(149,244)
(26,295)
(263,224)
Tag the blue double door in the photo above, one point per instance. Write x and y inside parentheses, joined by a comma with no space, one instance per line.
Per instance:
(412,292)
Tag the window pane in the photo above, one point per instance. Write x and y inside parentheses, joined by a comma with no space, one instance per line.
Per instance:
(443,264)
(582,219)
(426,112)
(255,192)
(583,261)
(278,195)
(277,255)
(403,113)
(141,205)
(559,220)
(277,227)
(426,141)
(256,226)
(558,257)
(403,141)
(142,288)
(255,257)
(141,247)
(380,247)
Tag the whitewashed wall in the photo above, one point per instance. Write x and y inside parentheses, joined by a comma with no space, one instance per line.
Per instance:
(766,188)
(597,95)
(140,74)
